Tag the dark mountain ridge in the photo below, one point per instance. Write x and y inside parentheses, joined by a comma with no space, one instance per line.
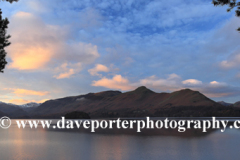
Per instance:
(140,102)
(237,104)
(225,103)
(12,111)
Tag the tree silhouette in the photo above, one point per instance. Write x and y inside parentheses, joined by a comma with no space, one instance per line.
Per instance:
(10,1)
(4,38)
(3,41)
(231,4)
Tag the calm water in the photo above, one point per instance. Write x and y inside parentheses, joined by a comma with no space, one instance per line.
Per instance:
(110,145)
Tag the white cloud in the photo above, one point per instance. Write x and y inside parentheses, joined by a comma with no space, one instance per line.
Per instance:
(172,83)
(36,45)
(232,62)
(21,92)
(160,34)
(67,70)
(23,101)
(117,82)
(33,42)
(98,68)
(217,84)
(192,82)
(67,74)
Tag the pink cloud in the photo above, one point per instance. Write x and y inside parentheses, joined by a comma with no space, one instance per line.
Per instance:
(171,83)
(23,101)
(66,70)
(33,42)
(98,68)
(117,82)
(37,45)
(23,92)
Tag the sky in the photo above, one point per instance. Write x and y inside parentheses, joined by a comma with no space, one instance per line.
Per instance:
(68,48)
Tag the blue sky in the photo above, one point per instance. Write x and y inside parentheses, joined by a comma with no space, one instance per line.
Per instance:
(64,48)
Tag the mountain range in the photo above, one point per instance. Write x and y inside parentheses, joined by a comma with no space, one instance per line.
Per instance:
(137,103)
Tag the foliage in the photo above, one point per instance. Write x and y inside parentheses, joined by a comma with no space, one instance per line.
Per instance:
(3,41)
(4,38)
(10,1)
(231,4)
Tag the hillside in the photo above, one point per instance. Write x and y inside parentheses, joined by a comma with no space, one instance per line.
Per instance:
(237,104)
(225,103)
(139,102)
(12,111)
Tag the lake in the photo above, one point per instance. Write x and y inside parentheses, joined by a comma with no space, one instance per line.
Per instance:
(161,144)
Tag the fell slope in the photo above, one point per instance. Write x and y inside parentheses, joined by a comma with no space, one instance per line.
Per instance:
(139,102)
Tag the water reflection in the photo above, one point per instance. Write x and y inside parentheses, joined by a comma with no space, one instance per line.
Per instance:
(144,132)
(118,144)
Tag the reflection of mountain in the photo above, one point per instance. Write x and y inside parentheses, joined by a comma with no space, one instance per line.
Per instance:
(137,103)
